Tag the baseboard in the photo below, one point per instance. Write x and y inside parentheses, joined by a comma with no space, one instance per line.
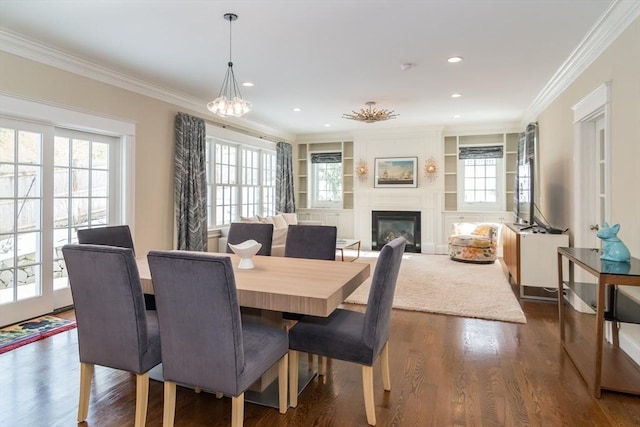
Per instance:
(628,344)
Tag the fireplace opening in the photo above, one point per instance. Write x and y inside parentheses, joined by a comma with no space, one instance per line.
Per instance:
(387,225)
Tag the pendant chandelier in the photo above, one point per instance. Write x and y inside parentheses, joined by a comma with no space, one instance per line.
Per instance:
(229,101)
(371,114)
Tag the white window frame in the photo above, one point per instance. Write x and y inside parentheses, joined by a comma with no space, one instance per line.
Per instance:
(313,184)
(51,118)
(242,143)
(496,206)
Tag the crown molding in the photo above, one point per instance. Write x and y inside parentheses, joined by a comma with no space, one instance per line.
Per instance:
(17,45)
(619,15)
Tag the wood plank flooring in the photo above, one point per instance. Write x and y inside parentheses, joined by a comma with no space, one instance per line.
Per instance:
(445,371)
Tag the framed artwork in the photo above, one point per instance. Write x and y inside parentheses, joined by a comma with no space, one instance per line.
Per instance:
(396,172)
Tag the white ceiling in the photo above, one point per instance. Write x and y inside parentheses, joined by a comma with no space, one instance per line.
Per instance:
(326,57)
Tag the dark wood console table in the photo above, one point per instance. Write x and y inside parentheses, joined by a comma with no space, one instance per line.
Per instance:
(603,366)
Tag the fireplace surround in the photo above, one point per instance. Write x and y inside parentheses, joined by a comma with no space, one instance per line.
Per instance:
(387,225)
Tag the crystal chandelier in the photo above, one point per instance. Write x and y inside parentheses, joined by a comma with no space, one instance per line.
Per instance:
(229,101)
(371,114)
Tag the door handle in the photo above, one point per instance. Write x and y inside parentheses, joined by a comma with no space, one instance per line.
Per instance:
(595,227)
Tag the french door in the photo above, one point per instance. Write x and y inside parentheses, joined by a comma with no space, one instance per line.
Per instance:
(52,182)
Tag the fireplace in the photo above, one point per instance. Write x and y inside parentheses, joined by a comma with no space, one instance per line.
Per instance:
(387,225)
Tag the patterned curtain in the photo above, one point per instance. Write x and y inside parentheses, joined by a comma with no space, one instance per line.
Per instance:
(190,183)
(285,199)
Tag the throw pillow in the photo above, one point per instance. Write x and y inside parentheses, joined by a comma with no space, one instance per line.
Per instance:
(290,218)
(279,222)
(251,219)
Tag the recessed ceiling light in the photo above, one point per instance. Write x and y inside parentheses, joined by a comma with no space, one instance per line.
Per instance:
(454,59)
(327,125)
(456,116)
(297,109)
(247,84)
(456,95)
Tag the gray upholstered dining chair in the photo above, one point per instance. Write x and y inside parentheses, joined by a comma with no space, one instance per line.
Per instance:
(205,344)
(353,336)
(113,235)
(311,241)
(114,329)
(242,231)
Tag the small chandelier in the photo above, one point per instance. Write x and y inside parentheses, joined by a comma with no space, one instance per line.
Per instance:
(229,101)
(371,114)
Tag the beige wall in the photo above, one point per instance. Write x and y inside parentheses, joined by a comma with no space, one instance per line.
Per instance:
(619,65)
(154,135)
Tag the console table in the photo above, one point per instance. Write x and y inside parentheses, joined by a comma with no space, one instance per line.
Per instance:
(604,366)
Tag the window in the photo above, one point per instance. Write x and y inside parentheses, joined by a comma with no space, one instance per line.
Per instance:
(81,170)
(240,181)
(481,179)
(326,180)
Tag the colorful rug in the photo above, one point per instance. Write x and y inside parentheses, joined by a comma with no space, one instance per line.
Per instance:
(15,336)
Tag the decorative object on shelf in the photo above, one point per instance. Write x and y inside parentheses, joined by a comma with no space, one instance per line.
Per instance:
(362,170)
(396,172)
(612,247)
(229,101)
(371,114)
(431,169)
(246,251)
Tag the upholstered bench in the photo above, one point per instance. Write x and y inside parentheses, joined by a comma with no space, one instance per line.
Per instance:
(471,242)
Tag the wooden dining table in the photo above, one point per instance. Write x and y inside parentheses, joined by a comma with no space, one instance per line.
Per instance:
(282,284)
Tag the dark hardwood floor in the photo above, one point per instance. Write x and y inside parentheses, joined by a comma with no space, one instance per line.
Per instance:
(445,371)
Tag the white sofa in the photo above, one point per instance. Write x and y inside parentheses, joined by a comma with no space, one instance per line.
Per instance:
(280,223)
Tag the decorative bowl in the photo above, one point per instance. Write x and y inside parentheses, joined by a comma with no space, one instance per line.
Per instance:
(246,251)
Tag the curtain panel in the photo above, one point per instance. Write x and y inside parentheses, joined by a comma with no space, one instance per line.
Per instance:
(285,198)
(190,183)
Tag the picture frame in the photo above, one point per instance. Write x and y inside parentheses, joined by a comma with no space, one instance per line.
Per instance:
(396,172)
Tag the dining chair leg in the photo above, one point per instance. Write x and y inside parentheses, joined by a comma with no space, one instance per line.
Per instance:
(142,398)
(311,358)
(322,366)
(283,369)
(293,378)
(367,386)
(169,411)
(384,362)
(237,410)
(86,374)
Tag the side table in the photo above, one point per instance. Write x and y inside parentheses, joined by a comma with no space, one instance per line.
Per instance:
(604,366)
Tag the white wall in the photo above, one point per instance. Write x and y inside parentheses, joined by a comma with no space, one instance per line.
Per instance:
(427,197)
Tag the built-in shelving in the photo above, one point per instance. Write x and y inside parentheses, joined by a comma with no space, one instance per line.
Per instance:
(304,150)
(451,146)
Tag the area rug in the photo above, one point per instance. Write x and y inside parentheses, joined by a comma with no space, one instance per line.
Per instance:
(15,336)
(437,284)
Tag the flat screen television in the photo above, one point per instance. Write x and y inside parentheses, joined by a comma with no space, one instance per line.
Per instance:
(525,193)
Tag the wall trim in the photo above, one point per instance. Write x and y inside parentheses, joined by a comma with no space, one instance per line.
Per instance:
(18,45)
(605,31)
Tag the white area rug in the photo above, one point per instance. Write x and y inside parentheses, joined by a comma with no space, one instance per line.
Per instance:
(436,284)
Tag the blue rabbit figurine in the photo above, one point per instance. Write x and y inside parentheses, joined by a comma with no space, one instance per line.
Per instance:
(612,247)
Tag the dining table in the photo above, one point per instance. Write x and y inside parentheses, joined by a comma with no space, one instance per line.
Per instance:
(282,284)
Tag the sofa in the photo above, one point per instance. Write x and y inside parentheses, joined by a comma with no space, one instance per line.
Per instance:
(280,221)
(474,242)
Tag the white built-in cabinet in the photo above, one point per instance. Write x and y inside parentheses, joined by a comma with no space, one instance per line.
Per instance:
(451,214)
(451,145)
(303,199)
(340,218)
